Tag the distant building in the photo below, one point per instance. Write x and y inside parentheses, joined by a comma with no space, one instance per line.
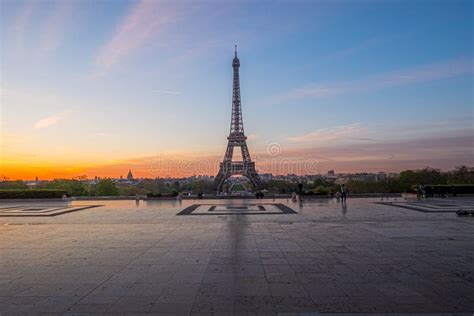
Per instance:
(31,184)
(364,176)
(393,175)
(330,176)
(292,177)
(203,177)
(381,176)
(130,175)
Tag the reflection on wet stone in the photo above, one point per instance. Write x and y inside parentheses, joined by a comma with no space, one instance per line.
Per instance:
(128,258)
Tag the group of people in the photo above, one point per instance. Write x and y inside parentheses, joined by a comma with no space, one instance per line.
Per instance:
(259,195)
(342,194)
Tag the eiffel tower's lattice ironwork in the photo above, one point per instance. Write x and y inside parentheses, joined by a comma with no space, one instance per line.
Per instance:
(236,138)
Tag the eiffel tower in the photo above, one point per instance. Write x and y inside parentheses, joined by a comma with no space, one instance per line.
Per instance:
(236,138)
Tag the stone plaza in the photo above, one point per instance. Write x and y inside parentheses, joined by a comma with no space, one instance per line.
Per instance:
(236,257)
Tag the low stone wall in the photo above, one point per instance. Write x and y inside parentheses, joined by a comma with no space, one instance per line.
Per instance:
(221,197)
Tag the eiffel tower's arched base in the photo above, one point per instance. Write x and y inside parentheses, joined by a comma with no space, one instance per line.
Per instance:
(239,168)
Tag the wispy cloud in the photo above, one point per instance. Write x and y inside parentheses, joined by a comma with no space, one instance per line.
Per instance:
(451,68)
(54,17)
(144,21)
(447,69)
(168,92)
(20,25)
(359,134)
(441,152)
(441,144)
(434,127)
(312,91)
(334,134)
(47,121)
(444,150)
(54,27)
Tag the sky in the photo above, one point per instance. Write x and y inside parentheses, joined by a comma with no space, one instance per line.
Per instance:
(97,88)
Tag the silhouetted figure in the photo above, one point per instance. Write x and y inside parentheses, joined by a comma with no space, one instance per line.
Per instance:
(300,189)
(422,189)
(343,193)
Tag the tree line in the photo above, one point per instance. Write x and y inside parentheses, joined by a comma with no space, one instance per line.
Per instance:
(461,175)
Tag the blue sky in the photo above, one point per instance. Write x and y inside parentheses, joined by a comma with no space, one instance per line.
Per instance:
(95,86)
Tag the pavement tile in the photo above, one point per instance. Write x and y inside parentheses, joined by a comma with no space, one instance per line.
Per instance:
(131,259)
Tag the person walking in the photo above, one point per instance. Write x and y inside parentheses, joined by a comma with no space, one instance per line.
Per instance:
(422,190)
(343,192)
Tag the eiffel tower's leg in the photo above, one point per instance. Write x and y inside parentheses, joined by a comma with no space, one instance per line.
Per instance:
(229,152)
(252,175)
(218,179)
(245,152)
(225,171)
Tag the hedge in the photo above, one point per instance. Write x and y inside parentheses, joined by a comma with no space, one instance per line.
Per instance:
(153,195)
(443,189)
(312,193)
(157,195)
(32,194)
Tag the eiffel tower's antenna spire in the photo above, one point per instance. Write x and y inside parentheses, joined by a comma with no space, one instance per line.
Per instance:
(237,125)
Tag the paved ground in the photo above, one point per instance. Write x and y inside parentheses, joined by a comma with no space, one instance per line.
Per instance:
(128,258)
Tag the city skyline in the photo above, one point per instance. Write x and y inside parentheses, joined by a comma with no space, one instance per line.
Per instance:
(98,88)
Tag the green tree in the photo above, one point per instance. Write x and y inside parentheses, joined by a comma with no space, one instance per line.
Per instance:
(394,186)
(357,187)
(153,186)
(176,186)
(72,187)
(461,175)
(13,185)
(106,187)
(428,175)
(201,186)
(130,190)
(279,186)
